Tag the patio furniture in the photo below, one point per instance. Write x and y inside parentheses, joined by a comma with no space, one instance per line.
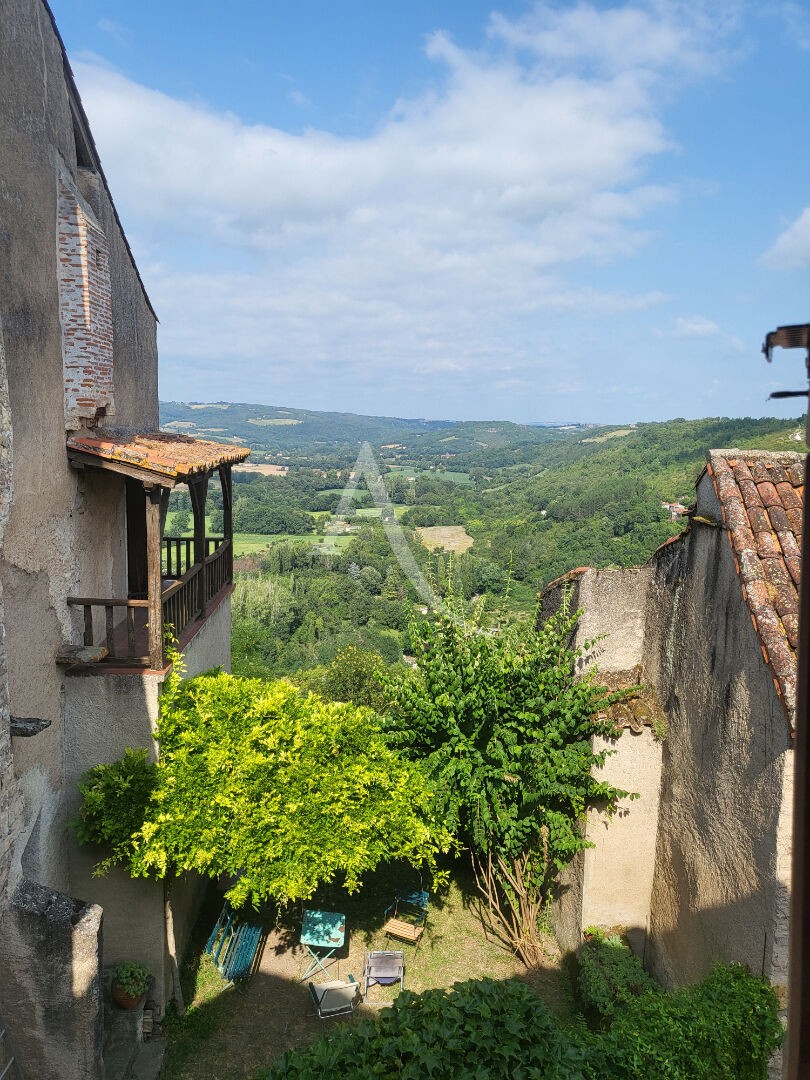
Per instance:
(384,968)
(233,945)
(335,998)
(324,931)
(408,917)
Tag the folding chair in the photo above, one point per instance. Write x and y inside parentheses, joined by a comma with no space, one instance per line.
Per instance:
(384,968)
(407,923)
(335,998)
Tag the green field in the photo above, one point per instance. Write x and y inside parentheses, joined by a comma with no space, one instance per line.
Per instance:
(375,511)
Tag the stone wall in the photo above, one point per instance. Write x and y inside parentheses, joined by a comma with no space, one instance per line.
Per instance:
(610,884)
(724,824)
(52,984)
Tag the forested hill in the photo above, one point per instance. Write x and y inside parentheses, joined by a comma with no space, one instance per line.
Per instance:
(535,501)
(333,438)
(596,500)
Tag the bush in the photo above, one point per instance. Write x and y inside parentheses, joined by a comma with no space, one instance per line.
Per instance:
(722,1029)
(114,800)
(610,974)
(477,1029)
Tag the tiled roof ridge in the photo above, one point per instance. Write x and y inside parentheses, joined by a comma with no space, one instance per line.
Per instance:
(761,496)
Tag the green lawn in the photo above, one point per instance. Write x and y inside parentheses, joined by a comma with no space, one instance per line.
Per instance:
(376,511)
(252,543)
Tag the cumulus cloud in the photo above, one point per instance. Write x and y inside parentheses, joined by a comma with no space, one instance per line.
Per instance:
(418,246)
(791,250)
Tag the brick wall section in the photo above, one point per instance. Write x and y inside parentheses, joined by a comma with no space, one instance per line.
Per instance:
(85,309)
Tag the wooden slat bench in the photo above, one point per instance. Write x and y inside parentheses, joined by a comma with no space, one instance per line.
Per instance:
(404,931)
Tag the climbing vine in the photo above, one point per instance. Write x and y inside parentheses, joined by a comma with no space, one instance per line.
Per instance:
(278,789)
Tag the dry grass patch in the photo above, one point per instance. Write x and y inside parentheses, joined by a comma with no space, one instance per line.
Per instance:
(448,537)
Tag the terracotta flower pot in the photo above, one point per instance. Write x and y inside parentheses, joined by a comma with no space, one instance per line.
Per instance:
(124,1000)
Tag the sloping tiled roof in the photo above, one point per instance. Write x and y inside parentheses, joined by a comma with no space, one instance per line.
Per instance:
(166,457)
(762,495)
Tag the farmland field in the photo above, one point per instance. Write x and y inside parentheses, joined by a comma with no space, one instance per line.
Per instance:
(447,537)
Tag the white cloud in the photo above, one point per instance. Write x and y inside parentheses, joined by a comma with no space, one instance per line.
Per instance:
(119,32)
(695,326)
(797,21)
(659,39)
(791,250)
(415,249)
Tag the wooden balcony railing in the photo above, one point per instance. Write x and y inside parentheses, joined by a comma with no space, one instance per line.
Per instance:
(126,640)
(178,553)
(192,588)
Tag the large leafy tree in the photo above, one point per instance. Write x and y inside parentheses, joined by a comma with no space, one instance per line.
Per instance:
(256,780)
(504,723)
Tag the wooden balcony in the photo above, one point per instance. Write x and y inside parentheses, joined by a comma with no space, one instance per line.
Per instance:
(189,590)
(172,581)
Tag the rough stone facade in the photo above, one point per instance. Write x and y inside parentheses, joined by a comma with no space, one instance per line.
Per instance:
(711,624)
(77,352)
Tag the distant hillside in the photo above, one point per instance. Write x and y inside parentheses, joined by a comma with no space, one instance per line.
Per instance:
(277,431)
(596,500)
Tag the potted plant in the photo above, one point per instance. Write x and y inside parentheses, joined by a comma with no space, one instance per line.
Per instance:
(129,984)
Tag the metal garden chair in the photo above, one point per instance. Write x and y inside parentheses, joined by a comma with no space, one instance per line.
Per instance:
(335,998)
(407,916)
(384,968)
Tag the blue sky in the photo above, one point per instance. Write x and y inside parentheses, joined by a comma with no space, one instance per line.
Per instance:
(567,211)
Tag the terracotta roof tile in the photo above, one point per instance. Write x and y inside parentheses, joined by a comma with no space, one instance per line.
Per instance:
(759,473)
(777,473)
(791,624)
(749,491)
(780,521)
(769,495)
(767,544)
(168,457)
(790,545)
(761,495)
(788,496)
(759,520)
(794,565)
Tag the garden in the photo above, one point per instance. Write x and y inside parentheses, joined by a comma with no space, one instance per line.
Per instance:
(471,773)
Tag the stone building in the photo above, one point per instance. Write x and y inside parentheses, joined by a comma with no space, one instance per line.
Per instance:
(698,868)
(87,578)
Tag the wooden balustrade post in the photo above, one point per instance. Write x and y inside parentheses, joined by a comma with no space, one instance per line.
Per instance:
(154,576)
(198,489)
(226,483)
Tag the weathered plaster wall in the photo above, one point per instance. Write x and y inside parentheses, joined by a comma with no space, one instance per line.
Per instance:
(715,894)
(610,885)
(211,646)
(618,870)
